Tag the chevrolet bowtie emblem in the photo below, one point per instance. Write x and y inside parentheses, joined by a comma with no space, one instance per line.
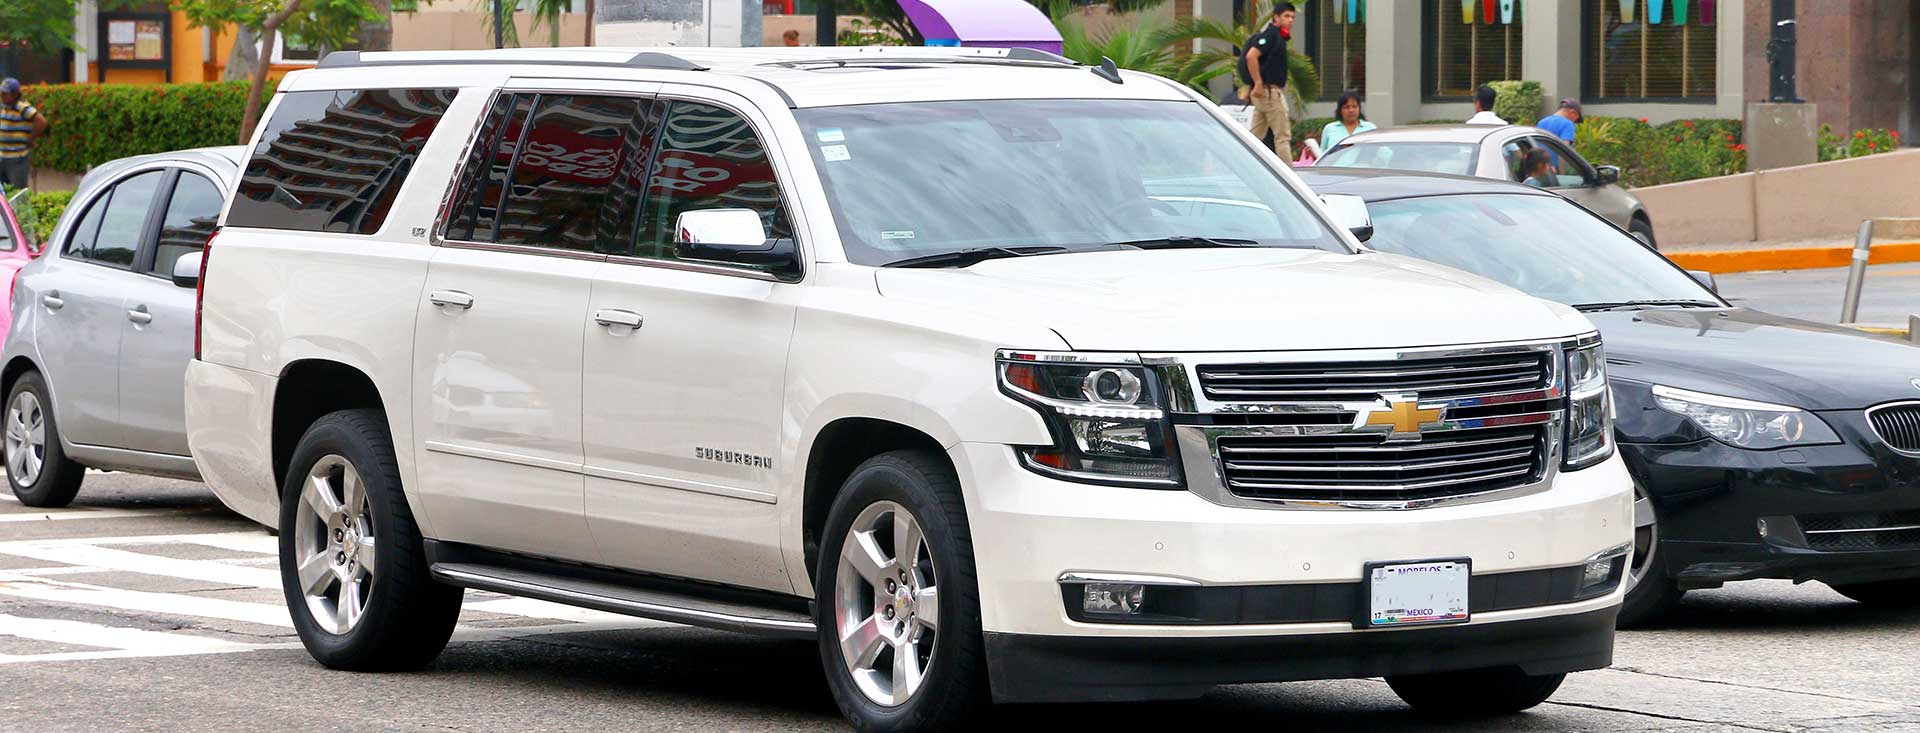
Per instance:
(1402,416)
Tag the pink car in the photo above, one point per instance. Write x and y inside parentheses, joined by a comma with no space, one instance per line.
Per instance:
(16,250)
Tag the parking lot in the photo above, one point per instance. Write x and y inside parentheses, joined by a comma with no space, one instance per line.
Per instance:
(149,607)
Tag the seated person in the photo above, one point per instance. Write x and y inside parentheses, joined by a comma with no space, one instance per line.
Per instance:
(1537,169)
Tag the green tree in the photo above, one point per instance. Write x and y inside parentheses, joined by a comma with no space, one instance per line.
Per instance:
(325,23)
(1130,48)
(1220,56)
(545,13)
(38,24)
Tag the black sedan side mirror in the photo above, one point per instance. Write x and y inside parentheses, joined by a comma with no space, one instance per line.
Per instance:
(1608,174)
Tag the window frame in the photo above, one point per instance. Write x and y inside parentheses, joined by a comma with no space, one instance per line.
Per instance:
(149,231)
(144,259)
(1589,56)
(1589,176)
(660,94)
(1429,48)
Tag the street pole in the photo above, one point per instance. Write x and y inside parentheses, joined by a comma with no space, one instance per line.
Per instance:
(1781,72)
(1857,273)
(826,24)
(499,26)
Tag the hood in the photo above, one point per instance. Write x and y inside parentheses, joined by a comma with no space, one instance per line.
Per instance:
(1239,300)
(1758,356)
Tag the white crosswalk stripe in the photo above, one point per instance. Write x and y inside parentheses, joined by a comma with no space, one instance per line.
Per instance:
(84,575)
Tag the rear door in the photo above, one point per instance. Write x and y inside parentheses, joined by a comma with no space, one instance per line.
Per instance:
(82,299)
(157,336)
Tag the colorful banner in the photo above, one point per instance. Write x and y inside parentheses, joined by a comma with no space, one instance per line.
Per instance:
(1488,11)
(1506,11)
(1339,11)
(1706,12)
(1466,11)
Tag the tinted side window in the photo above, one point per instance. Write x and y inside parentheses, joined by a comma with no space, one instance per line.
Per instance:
(709,158)
(124,224)
(476,200)
(80,242)
(575,181)
(192,211)
(334,161)
(1568,167)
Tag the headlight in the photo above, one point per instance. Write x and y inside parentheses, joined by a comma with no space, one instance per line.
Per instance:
(1589,409)
(1105,415)
(1745,423)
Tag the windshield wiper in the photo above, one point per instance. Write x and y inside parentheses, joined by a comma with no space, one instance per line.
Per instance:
(968,257)
(1186,242)
(1617,305)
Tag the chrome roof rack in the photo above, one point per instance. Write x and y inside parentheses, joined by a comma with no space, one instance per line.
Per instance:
(642,60)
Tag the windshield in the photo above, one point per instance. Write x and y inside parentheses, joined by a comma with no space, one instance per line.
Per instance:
(1542,245)
(909,180)
(1454,158)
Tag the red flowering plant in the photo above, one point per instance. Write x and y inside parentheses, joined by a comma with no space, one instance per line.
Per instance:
(1868,141)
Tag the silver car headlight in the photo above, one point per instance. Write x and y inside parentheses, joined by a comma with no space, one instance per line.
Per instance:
(1589,408)
(1745,423)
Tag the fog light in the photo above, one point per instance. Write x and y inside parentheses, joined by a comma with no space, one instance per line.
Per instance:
(1596,572)
(1113,599)
(1763,529)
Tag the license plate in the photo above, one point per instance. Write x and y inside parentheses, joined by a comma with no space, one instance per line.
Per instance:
(1417,593)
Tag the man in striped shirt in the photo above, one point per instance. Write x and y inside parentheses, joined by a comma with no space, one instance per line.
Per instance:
(21,125)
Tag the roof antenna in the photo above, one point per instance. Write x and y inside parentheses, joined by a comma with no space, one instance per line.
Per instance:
(1108,71)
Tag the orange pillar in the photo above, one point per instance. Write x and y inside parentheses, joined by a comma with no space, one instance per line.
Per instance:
(189,57)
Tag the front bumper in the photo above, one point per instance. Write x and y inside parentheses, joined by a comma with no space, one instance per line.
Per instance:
(1820,505)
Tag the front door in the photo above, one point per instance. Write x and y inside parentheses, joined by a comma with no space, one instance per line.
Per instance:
(156,340)
(685,372)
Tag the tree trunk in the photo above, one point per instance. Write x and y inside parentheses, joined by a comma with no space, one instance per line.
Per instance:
(378,35)
(268,30)
(241,61)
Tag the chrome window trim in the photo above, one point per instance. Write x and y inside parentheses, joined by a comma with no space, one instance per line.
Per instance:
(1875,429)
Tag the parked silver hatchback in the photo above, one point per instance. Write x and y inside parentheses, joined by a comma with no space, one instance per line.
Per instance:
(103,326)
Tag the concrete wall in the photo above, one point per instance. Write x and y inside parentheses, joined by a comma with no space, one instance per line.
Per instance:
(1818,201)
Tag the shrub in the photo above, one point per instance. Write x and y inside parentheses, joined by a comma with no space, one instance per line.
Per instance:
(1518,102)
(43,210)
(1650,155)
(1868,141)
(96,123)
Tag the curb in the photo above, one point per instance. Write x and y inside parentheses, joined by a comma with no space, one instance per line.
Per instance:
(1800,258)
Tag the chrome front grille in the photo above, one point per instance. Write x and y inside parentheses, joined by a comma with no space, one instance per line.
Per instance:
(1433,378)
(1348,468)
(1898,425)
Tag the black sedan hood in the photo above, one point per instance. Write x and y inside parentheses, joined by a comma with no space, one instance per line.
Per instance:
(1752,355)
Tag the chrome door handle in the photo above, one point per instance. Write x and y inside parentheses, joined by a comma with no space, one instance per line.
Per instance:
(52,301)
(140,315)
(611,317)
(450,299)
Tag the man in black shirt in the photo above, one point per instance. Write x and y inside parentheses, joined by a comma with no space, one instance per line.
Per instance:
(1263,67)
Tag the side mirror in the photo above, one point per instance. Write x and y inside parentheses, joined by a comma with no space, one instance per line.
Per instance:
(1705,278)
(1350,211)
(732,237)
(1608,174)
(186,270)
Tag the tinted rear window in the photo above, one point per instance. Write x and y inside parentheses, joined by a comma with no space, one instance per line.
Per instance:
(333,161)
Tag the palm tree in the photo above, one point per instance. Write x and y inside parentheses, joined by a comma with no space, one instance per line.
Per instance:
(1130,48)
(545,12)
(1220,55)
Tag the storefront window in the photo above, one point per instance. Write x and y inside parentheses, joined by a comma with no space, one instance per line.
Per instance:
(1649,50)
(1337,42)
(1467,46)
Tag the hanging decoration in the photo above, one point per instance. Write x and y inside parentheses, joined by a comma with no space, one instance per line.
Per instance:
(1626,10)
(1706,12)
(1656,10)
(1679,12)
(1488,9)
(1506,11)
(1339,11)
(1466,11)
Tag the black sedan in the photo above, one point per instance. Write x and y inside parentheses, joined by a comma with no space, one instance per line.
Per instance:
(1762,446)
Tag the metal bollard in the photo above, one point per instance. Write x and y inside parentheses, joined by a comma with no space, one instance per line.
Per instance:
(1913,329)
(1857,273)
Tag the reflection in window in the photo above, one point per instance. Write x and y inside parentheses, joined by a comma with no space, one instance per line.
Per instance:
(1641,59)
(575,182)
(80,242)
(1339,48)
(125,221)
(191,213)
(484,175)
(334,161)
(709,158)
(1467,47)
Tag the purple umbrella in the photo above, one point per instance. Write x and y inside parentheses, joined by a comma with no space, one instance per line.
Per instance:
(986,23)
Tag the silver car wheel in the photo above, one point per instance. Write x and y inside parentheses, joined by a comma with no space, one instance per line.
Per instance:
(1646,539)
(887,604)
(334,545)
(26,439)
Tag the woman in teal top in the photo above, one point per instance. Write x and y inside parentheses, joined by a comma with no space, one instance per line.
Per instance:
(1348,121)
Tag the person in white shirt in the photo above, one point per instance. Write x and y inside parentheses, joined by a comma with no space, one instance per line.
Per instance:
(1483,108)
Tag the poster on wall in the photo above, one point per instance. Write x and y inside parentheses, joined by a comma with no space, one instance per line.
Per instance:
(135,41)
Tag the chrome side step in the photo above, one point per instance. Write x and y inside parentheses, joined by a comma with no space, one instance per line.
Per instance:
(613,598)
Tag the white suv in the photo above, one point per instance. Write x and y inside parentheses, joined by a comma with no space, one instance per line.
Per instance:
(1007,379)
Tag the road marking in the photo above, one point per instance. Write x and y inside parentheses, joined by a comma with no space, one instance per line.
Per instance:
(135,641)
(107,558)
(17,585)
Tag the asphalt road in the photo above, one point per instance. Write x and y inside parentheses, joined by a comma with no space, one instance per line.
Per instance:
(1891,293)
(149,607)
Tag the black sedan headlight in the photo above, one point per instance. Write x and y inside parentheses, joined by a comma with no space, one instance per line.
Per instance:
(1589,408)
(1106,415)
(1745,423)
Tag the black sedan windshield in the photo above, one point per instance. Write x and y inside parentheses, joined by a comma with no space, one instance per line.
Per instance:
(911,180)
(1542,245)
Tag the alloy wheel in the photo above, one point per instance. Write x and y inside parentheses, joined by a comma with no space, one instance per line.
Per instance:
(334,545)
(887,604)
(26,439)
(1646,539)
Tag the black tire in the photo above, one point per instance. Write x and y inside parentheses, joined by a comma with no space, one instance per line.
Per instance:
(1476,692)
(408,616)
(59,479)
(954,690)
(1644,230)
(1890,594)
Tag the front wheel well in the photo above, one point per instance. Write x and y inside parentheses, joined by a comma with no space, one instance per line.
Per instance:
(840,448)
(307,391)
